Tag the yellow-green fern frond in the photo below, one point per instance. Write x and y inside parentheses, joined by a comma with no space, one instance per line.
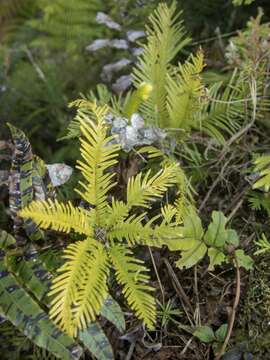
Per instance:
(98,154)
(165,38)
(131,273)
(262,166)
(130,230)
(65,286)
(117,212)
(92,289)
(59,216)
(185,90)
(142,190)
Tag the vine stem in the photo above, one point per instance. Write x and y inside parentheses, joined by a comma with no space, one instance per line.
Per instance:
(233,313)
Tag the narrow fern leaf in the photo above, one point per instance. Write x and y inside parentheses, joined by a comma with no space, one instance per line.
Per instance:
(92,288)
(65,286)
(26,315)
(97,342)
(6,240)
(112,311)
(59,216)
(131,273)
(21,190)
(32,275)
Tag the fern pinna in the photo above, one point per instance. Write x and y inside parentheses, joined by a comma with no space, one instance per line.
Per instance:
(110,229)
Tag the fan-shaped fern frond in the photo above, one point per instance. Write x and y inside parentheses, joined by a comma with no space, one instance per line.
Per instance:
(59,216)
(65,286)
(131,273)
(165,38)
(98,155)
(142,190)
(185,90)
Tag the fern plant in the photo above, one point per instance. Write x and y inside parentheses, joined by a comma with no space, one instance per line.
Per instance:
(26,267)
(68,25)
(180,100)
(109,230)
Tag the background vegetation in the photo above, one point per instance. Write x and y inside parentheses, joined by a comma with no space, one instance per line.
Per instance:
(211,95)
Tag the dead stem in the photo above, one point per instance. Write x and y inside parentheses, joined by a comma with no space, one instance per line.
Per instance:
(179,289)
(233,313)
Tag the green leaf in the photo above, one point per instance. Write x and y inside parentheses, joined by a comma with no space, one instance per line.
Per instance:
(205,334)
(191,233)
(191,257)
(232,238)
(26,315)
(113,312)
(221,332)
(244,261)
(192,246)
(32,275)
(6,240)
(216,233)
(216,258)
(97,342)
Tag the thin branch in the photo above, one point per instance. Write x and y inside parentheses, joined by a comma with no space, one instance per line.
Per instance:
(233,313)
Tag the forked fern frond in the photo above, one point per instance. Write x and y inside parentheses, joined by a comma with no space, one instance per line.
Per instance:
(131,273)
(142,190)
(58,216)
(65,286)
(165,38)
(185,90)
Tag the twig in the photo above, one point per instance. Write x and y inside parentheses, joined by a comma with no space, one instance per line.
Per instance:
(157,275)
(35,65)
(197,314)
(233,313)
(131,350)
(213,186)
(179,287)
